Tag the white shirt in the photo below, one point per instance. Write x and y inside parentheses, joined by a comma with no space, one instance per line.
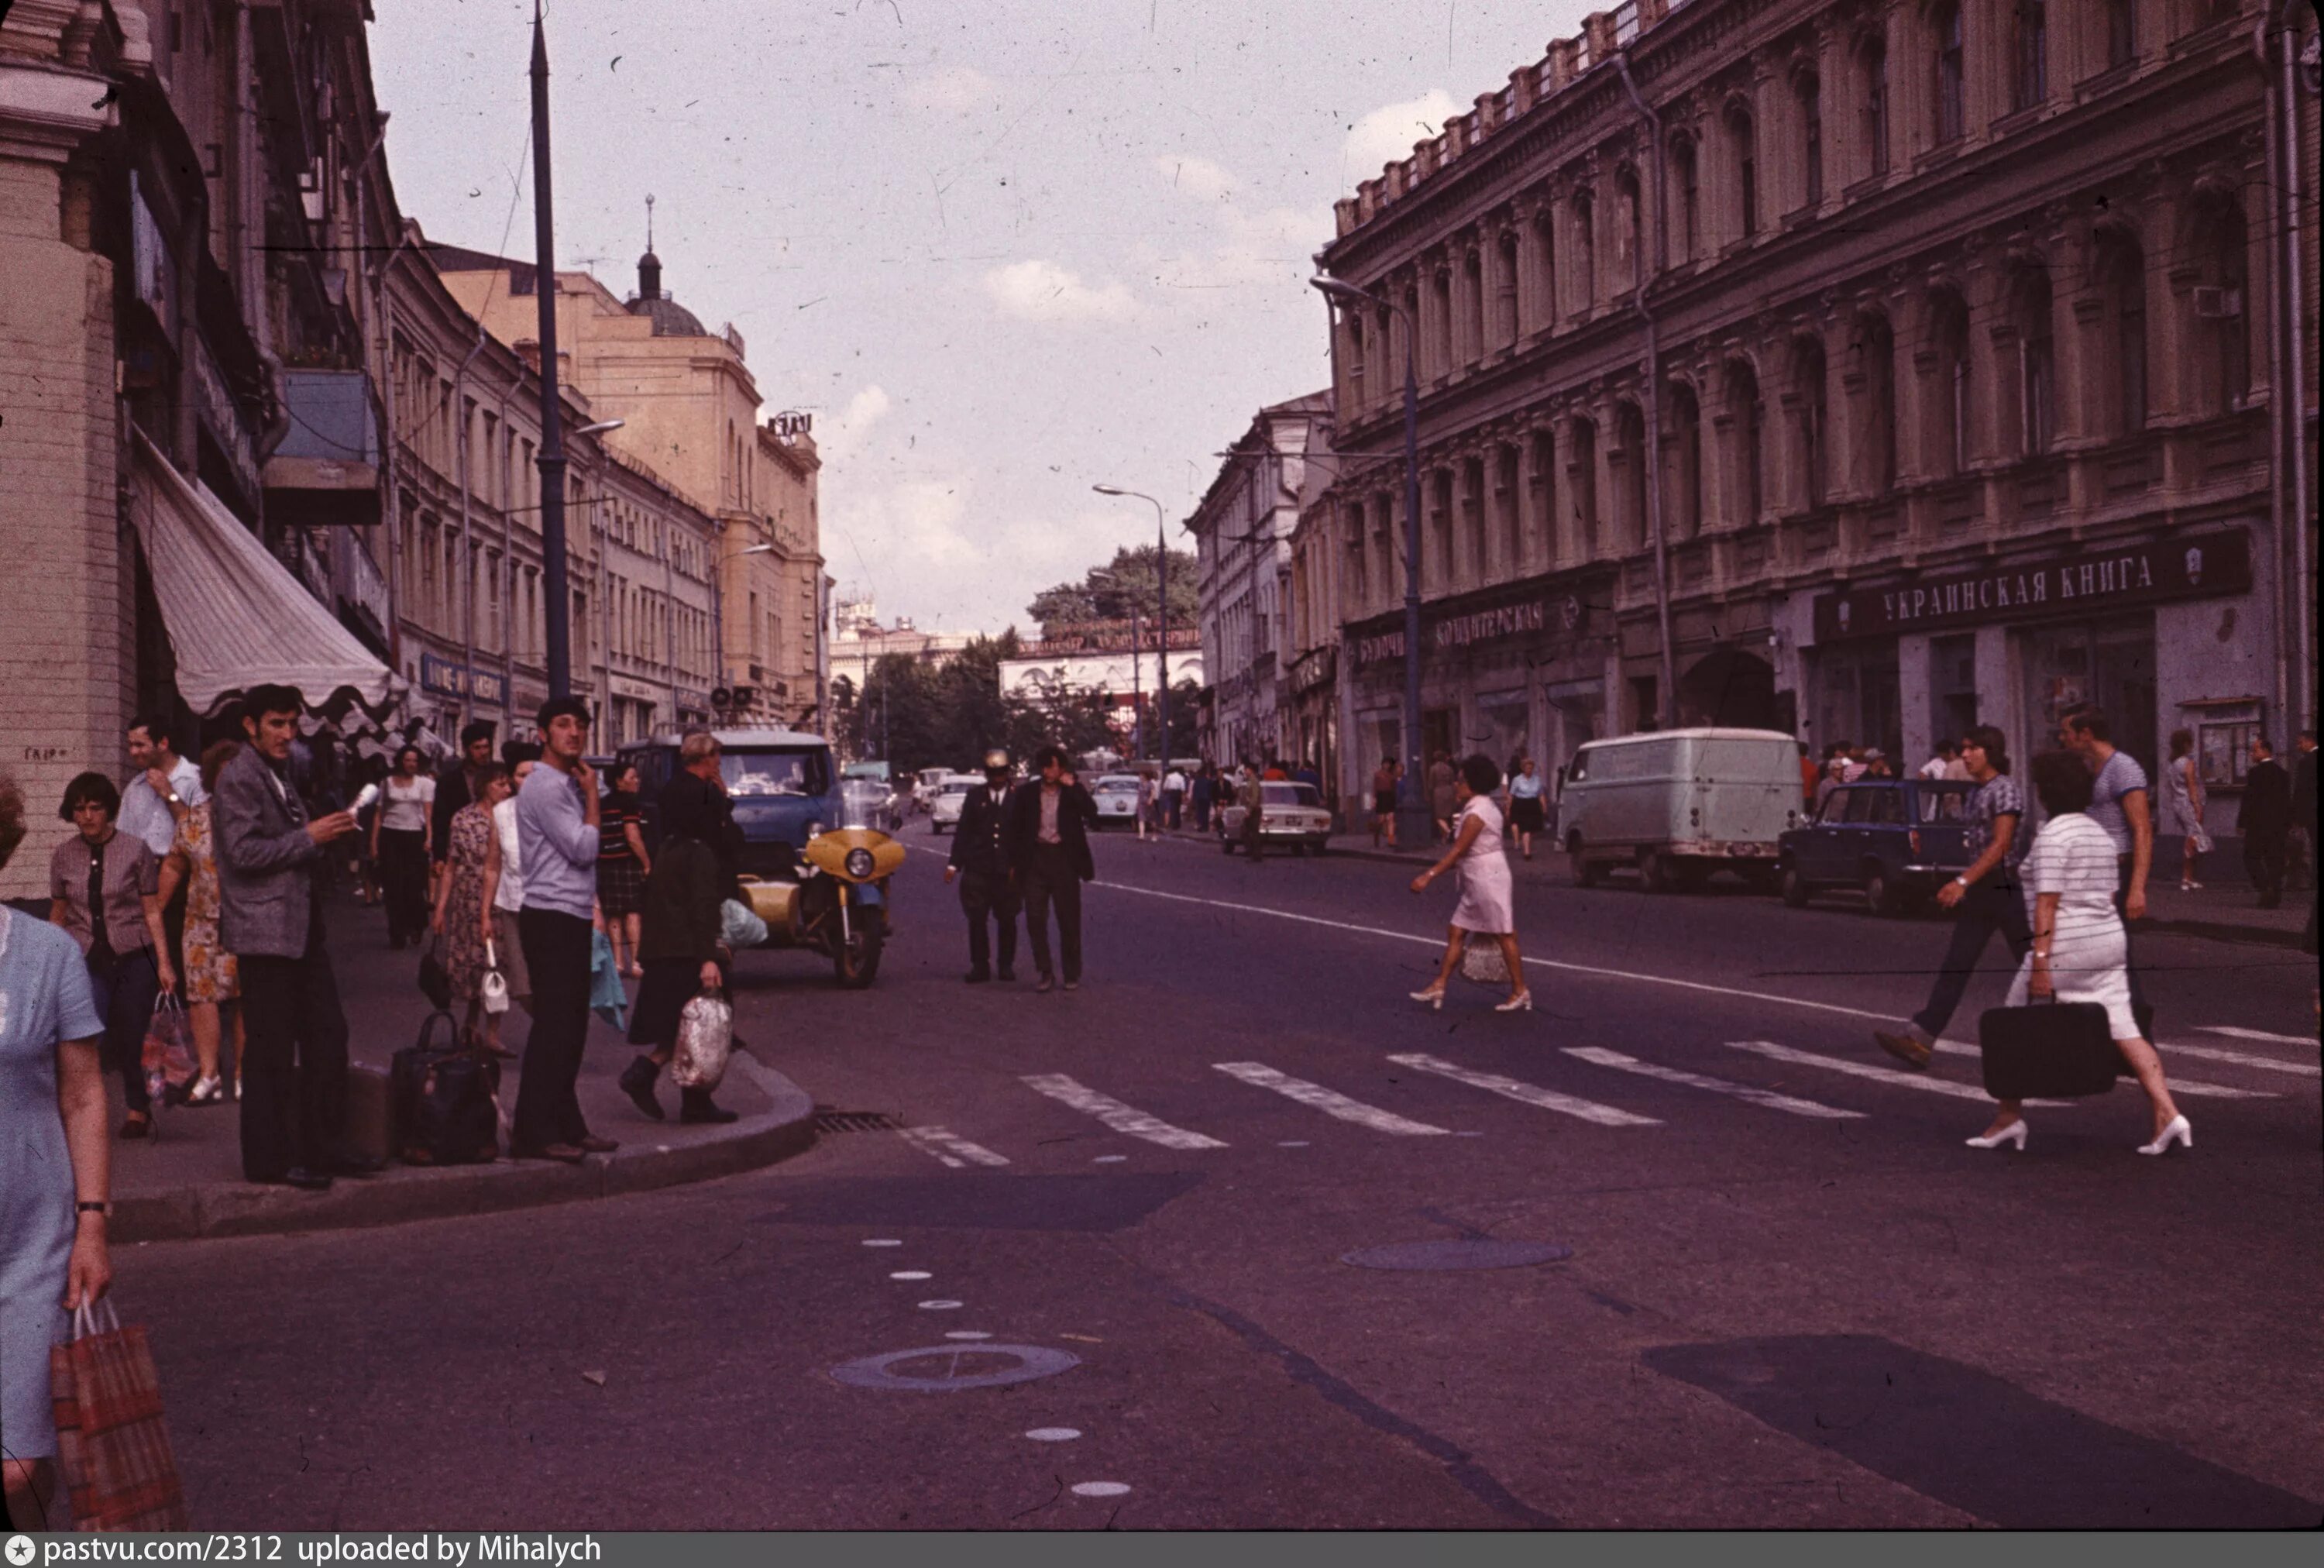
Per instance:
(405,805)
(510,894)
(145,815)
(1174,779)
(1934,769)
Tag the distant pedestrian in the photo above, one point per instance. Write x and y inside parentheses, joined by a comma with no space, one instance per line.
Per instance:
(622,866)
(1443,793)
(1276,772)
(557,834)
(1173,798)
(399,843)
(504,901)
(1985,897)
(457,785)
(1050,819)
(1810,775)
(463,922)
(1384,787)
(208,971)
(2183,808)
(1940,766)
(1305,773)
(1251,796)
(2080,951)
(55,1181)
(2264,821)
(681,946)
(104,888)
(2300,867)
(1525,816)
(1149,797)
(2120,804)
(1835,773)
(1487,905)
(980,860)
(294,1075)
(1206,791)
(1876,765)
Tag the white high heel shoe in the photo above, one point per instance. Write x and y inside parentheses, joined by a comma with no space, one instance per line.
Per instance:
(2013,1133)
(1434,997)
(2179,1131)
(1521,1002)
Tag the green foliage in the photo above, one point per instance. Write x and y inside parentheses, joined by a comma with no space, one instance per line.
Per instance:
(915,717)
(1113,592)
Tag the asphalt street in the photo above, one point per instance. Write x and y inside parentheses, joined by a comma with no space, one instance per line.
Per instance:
(1790,1297)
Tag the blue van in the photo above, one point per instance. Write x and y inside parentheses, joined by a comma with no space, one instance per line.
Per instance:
(783,785)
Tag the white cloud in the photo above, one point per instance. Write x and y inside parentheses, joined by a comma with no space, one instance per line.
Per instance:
(959,90)
(1039,290)
(844,436)
(1386,135)
(1198,176)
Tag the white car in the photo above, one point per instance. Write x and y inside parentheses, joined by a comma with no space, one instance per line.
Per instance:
(943,810)
(1288,813)
(1116,795)
(925,784)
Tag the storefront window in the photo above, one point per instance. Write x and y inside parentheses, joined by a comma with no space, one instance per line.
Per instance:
(1858,697)
(1952,686)
(1506,724)
(2108,665)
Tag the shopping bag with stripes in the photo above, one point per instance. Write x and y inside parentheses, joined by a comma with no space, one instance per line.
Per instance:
(113,1445)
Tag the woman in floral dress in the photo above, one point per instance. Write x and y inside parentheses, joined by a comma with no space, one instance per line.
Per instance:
(460,919)
(211,980)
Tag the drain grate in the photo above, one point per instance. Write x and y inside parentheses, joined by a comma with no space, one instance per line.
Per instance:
(826,1119)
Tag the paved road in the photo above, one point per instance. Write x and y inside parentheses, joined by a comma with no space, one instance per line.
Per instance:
(1793,1297)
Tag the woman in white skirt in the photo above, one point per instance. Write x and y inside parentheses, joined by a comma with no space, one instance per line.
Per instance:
(2080,951)
(2183,808)
(1486,906)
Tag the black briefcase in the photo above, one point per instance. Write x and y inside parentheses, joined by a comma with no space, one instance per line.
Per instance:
(441,1105)
(2048,1051)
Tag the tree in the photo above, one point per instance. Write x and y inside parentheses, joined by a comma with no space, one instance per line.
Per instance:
(1115,591)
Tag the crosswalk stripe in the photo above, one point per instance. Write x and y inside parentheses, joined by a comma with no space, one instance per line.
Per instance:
(1547,1100)
(1774,1051)
(1767,1097)
(2194,1086)
(1258,1075)
(1124,1119)
(2241,1059)
(2274,1039)
(944,1145)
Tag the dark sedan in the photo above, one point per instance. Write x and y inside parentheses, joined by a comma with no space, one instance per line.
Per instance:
(1895,840)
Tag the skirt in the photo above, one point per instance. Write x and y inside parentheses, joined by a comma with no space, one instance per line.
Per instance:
(1487,907)
(210,974)
(620,887)
(1525,814)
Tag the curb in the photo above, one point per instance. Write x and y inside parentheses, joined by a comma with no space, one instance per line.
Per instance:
(233,1208)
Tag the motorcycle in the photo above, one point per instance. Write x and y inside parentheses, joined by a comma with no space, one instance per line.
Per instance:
(838,907)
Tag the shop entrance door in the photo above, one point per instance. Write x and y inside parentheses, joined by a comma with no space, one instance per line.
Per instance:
(2106,664)
(1438,733)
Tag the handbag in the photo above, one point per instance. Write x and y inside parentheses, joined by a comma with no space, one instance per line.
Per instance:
(2047,1050)
(493,990)
(1482,962)
(443,1100)
(112,1442)
(705,1038)
(168,1056)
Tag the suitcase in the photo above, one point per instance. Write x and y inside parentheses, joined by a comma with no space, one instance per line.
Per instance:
(2047,1051)
(441,1100)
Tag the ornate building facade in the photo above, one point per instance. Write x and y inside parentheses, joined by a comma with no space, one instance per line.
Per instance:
(1859,368)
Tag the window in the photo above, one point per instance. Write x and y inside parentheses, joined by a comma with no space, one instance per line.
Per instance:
(2031,81)
(1876,104)
(1686,460)
(2123,276)
(1748,415)
(2036,364)
(1585,253)
(2122,32)
(1507,494)
(1953,109)
(2223,346)
(1354,326)
(1628,262)
(1472,279)
(1582,487)
(1442,351)
(1690,204)
(1744,137)
(1504,284)
(1441,533)
(1877,343)
(1545,237)
(1631,478)
(1808,376)
(1541,498)
(1948,322)
(1811,136)
(1475,541)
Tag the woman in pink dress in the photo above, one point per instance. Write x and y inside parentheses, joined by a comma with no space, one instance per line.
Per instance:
(1487,908)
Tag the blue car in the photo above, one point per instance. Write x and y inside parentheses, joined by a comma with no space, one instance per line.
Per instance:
(1896,841)
(783,785)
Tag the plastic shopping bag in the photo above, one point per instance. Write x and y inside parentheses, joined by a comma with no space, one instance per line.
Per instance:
(739,925)
(705,1038)
(112,1442)
(169,1057)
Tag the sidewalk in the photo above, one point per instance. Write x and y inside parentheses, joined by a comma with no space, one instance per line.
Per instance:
(2225,909)
(187,1181)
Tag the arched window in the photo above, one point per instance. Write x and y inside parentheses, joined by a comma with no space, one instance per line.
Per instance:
(1582,487)
(1628,239)
(1544,245)
(1950,401)
(1685,462)
(1541,495)
(1686,178)
(1952,81)
(1810,96)
(1585,253)
(1874,65)
(2221,307)
(2030,82)
(1814,420)
(1473,303)
(1877,344)
(1630,477)
(1505,283)
(1747,423)
(1390,368)
(2037,362)
(2122,277)
(1743,139)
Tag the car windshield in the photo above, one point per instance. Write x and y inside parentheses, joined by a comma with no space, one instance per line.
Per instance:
(761,773)
(1118,784)
(1941,804)
(1290,794)
(958,785)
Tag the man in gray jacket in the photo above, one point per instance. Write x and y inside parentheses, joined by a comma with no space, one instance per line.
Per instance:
(294,1064)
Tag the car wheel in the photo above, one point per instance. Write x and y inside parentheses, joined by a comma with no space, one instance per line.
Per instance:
(1655,870)
(1880,893)
(1795,888)
(1585,870)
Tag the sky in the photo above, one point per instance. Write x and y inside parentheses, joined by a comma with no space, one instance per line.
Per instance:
(1002,250)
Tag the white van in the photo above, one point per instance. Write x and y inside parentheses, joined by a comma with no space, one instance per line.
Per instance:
(1680,804)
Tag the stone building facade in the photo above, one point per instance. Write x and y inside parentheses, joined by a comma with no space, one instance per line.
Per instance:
(1859,368)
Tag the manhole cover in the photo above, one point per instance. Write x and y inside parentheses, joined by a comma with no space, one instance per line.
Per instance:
(1476,1253)
(946,1369)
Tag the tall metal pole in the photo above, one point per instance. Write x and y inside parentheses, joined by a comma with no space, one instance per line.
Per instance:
(1162,638)
(1412,818)
(1137,698)
(551,461)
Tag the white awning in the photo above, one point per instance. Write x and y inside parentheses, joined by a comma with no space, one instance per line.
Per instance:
(236,617)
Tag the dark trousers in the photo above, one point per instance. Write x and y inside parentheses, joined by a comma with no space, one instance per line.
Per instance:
(556,952)
(984,897)
(124,987)
(2264,855)
(1995,905)
(2130,967)
(1251,841)
(1051,880)
(403,878)
(294,1064)
(1171,799)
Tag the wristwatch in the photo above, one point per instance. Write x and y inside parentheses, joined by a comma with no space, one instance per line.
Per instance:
(88,1208)
(1961,882)
(173,798)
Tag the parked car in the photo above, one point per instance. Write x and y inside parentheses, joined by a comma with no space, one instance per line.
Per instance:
(1680,805)
(1897,841)
(1288,813)
(944,811)
(1116,795)
(925,784)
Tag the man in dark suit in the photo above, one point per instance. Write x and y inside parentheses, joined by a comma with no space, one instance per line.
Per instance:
(1047,842)
(2266,822)
(980,859)
(294,1064)
(456,785)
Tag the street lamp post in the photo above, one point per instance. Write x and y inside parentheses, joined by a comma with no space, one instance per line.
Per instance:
(551,460)
(1412,822)
(1161,620)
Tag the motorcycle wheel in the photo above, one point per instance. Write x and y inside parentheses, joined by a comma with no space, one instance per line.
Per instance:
(857,961)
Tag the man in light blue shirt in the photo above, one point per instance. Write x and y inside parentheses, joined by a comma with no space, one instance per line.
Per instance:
(2120,803)
(556,835)
(166,790)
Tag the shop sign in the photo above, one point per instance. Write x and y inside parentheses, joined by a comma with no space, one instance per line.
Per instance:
(1450,629)
(447,678)
(2118,577)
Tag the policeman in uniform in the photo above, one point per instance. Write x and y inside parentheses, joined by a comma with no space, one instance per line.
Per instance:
(980,860)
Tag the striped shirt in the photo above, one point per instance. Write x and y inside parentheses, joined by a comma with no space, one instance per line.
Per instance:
(1998,796)
(2073,858)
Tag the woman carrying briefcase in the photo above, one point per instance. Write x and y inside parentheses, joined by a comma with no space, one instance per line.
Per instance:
(2080,951)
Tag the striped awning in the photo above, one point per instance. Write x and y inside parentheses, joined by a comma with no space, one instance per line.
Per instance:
(236,617)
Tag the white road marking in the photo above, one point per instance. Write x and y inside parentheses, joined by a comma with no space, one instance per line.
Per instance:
(1877,1074)
(968,1333)
(1109,1160)
(2235,1034)
(1547,1100)
(2194,1086)
(1260,1075)
(948,1148)
(1053,1434)
(938,1305)
(1767,1097)
(883,1242)
(1101,1489)
(2240,1059)
(1291,1143)
(912,1274)
(1121,1118)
